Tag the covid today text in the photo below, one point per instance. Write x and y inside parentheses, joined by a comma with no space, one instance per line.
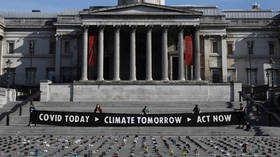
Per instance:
(64,118)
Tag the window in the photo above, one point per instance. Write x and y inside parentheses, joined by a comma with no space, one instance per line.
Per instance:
(274,76)
(51,74)
(250,45)
(231,75)
(66,75)
(252,76)
(216,75)
(30,75)
(215,46)
(11,47)
(230,47)
(10,76)
(52,47)
(67,47)
(277,79)
(271,48)
(31,46)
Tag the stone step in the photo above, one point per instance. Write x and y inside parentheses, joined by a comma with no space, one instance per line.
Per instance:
(153,110)
(19,120)
(123,131)
(137,104)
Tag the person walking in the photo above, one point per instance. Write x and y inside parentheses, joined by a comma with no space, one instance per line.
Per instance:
(32,108)
(196,109)
(242,120)
(145,110)
(97,109)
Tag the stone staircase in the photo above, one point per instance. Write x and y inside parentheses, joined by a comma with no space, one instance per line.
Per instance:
(18,124)
(117,107)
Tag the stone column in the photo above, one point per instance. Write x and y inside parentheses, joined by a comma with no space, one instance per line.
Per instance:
(58,58)
(85,55)
(1,54)
(197,54)
(165,54)
(181,75)
(117,55)
(224,57)
(149,74)
(207,50)
(133,54)
(100,76)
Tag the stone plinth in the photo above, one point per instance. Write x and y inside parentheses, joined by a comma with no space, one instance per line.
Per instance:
(87,91)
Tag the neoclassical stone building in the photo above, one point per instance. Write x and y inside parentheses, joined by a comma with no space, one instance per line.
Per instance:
(141,40)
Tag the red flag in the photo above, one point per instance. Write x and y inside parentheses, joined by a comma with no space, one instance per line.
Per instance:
(92,50)
(188,50)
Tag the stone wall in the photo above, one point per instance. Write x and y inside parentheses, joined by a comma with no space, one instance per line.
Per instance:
(89,92)
(7,96)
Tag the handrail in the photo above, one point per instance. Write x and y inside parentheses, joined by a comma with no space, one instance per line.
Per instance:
(15,108)
(276,117)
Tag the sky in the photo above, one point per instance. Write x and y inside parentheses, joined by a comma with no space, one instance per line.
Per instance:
(60,5)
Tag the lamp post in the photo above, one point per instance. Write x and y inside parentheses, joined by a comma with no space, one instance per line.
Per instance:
(250,51)
(8,63)
(267,75)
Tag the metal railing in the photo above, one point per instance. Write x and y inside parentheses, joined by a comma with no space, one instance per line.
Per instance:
(18,107)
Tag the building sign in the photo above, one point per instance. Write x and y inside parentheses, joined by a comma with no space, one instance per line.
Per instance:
(87,119)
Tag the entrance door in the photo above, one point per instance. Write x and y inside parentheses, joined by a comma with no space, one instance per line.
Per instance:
(174,68)
(107,70)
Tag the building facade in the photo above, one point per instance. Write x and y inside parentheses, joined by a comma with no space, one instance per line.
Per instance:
(140,40)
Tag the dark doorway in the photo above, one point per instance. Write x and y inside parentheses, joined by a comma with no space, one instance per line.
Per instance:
(175,68)
(141,55)
(156,53)
(107,70)
(124,54)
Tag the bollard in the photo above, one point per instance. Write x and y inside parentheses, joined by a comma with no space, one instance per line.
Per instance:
(20,110)
(8,119)
(269,120)
(240,96)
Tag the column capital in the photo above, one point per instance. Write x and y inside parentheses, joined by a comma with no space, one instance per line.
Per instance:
(206,36)
(132,27)
(223,36)
(101,27)
(181,27)
(117,26)
(165,26)
(85,26)
(58,35)
(149,26)
(196,27)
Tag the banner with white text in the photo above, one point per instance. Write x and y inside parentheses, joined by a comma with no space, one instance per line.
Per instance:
(87,119)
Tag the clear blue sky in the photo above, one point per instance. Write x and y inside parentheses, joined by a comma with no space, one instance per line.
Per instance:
(60,5)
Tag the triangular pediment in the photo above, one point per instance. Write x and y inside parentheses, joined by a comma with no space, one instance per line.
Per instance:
(141,9)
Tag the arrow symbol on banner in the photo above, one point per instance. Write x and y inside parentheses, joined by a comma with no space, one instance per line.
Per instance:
(96,119)
(188,119)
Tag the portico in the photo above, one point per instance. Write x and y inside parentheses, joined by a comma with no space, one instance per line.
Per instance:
(140,42)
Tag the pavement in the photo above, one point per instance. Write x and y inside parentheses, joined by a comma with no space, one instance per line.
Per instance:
(138,146)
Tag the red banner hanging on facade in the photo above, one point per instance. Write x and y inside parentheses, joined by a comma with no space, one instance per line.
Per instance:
(92,50)
(188,50)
